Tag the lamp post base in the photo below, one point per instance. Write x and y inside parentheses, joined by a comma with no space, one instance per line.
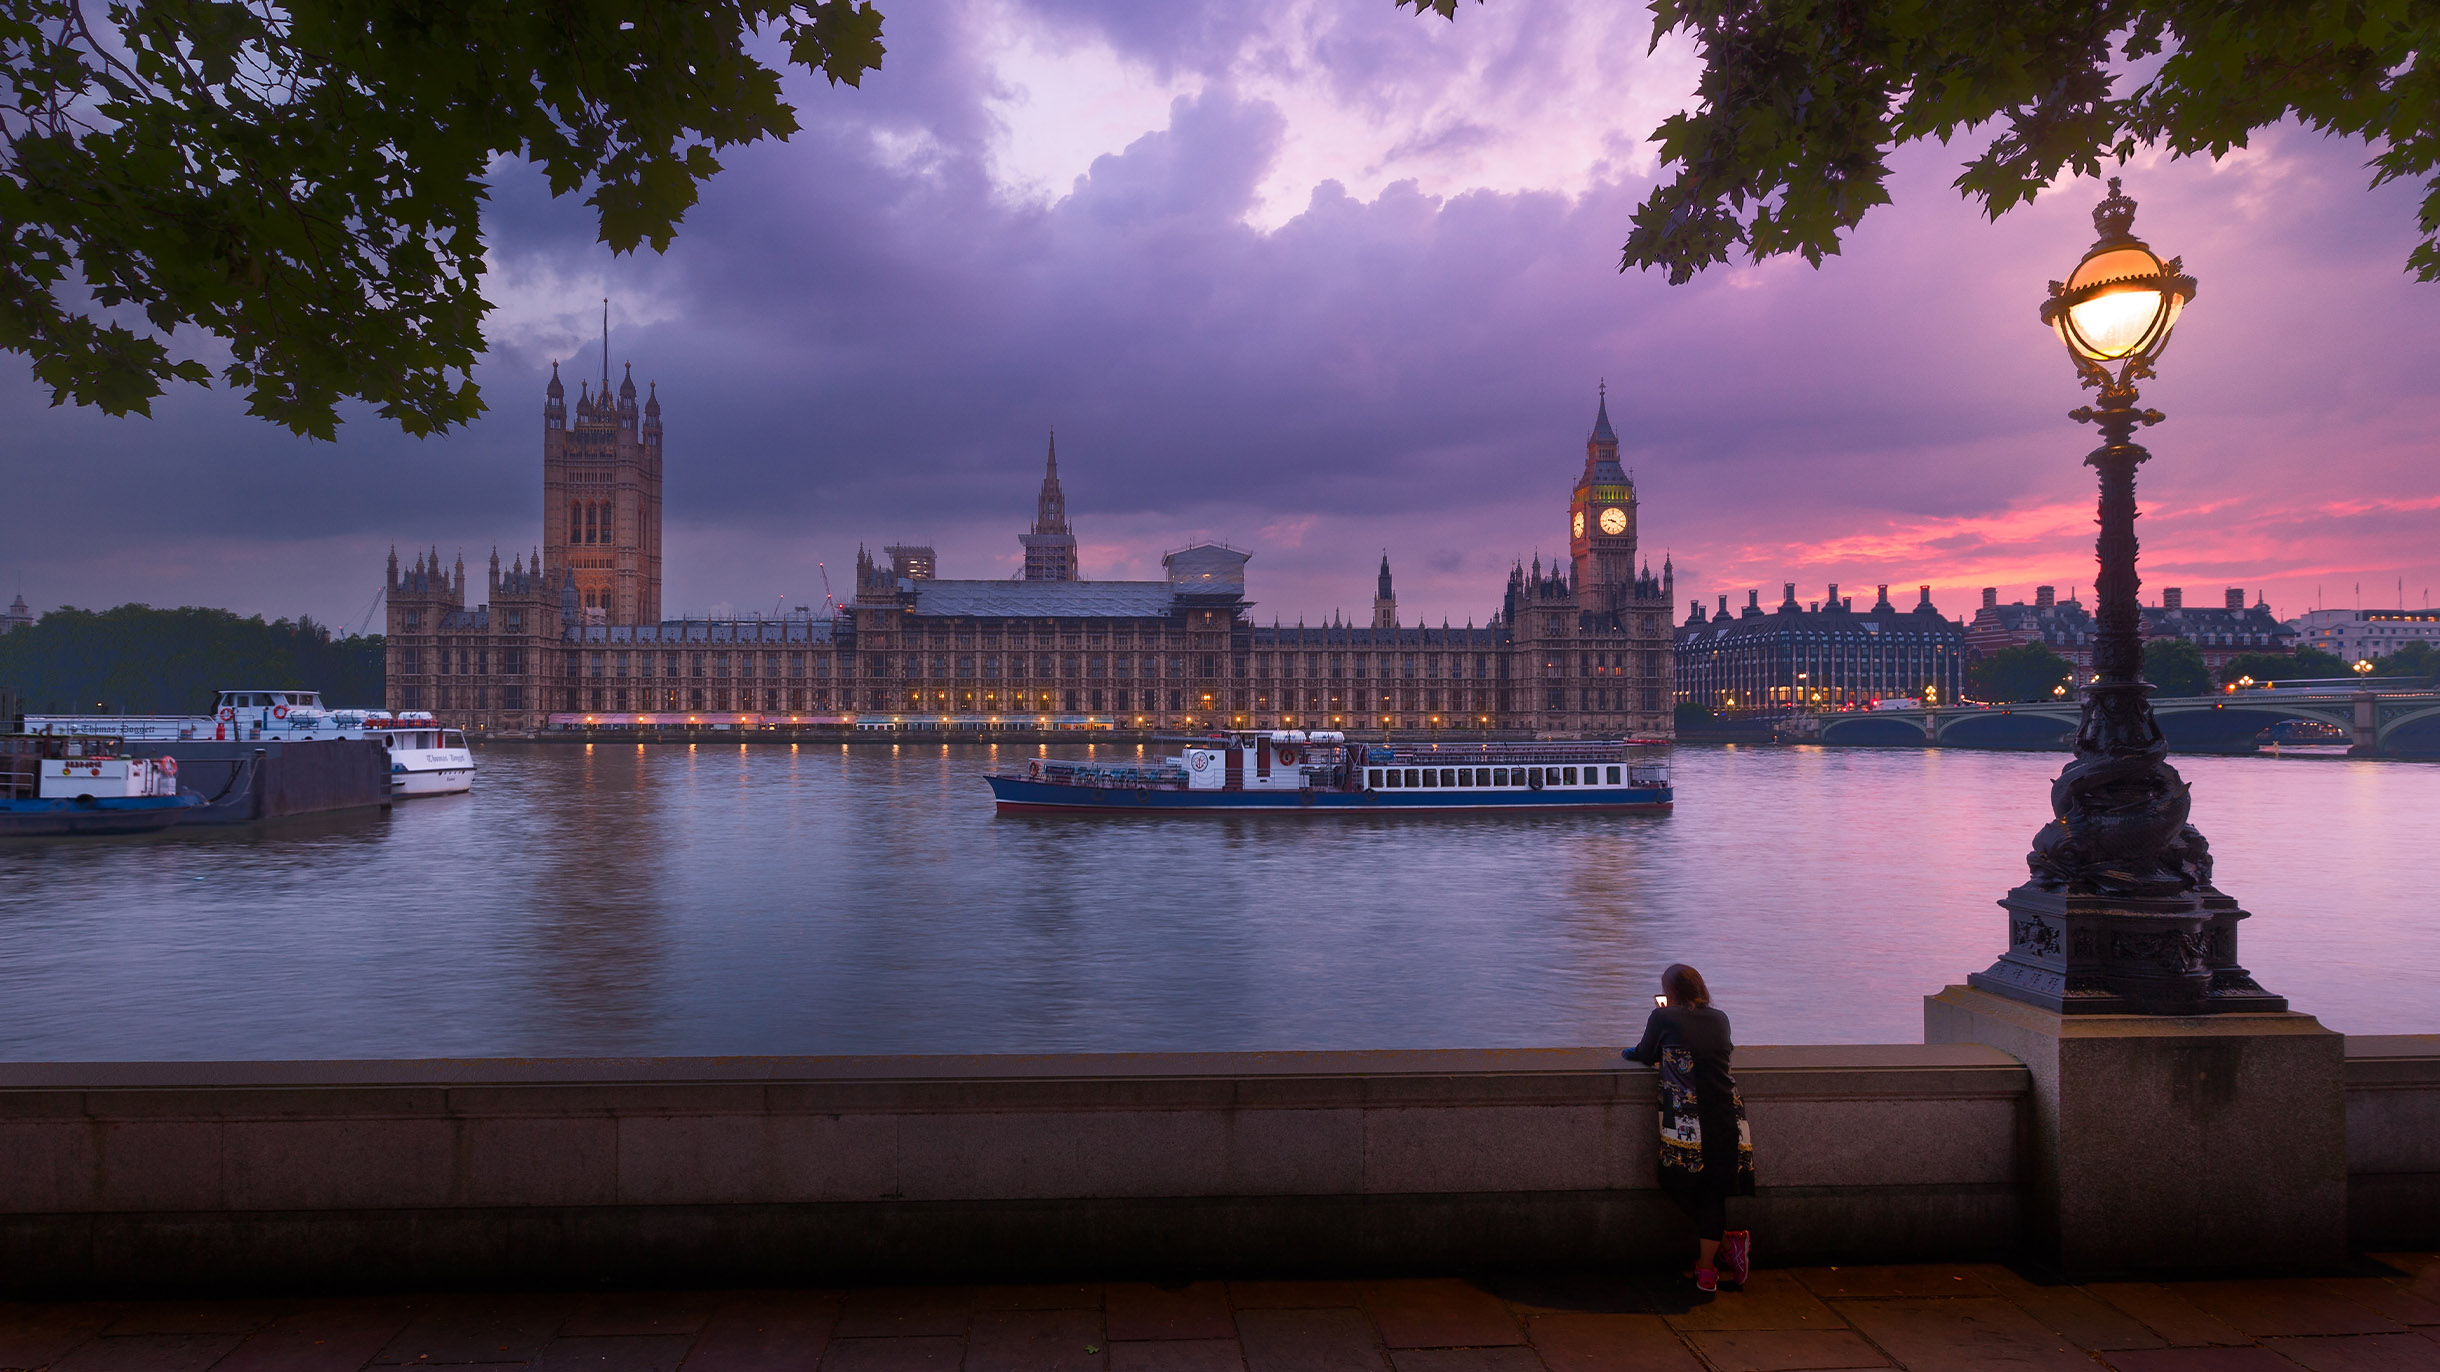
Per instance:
(2124,955)
(2172,1143)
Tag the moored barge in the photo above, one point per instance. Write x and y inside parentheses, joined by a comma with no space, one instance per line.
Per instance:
(1296,771)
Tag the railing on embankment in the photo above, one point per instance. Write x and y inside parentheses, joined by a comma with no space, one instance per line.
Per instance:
(201,1175)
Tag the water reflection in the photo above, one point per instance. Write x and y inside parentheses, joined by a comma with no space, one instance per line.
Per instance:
(777,899)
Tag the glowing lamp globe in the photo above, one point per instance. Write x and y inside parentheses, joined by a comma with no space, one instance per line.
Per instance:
(2121,301)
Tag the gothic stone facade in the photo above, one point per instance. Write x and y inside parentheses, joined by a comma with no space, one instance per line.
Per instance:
(1575,650)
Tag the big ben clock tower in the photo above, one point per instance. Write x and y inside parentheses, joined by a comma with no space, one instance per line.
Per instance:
(1601,522)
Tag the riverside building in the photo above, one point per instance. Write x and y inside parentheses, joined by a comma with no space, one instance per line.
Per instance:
(1824,656)
(571,636)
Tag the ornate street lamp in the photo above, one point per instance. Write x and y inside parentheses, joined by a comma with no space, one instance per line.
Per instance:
(2120,915)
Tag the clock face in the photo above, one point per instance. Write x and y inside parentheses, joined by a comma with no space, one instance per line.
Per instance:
(1579,523)
(1613,520)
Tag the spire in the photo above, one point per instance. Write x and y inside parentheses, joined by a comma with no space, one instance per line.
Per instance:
(1602,432)
(1385,591)
(626,385)
(555,390)
(1050,547)
(605,347)
(652,400)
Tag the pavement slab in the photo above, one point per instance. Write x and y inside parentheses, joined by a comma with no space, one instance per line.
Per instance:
(1923,1281)
(39,1335)
(1177,1355)
(1772,1300)
(640,1312)
(1439,1314)
(148,1353)
(2248,1359)
(1785,1350)
(917,1354)
(2360,1353)
(195,1316)
(454,1330)
(2267,1308)
(1036,1341)
(1591,1342)
(2073,1314)
(900,1312)
(1513,1358)
(334,1336)
(1292,1295)
(1962,1334)
(1140,1310)
(614,1353)
(2385,1297)
(2179,1322)
(1287,1340)
(1042,1296)
(766,1331)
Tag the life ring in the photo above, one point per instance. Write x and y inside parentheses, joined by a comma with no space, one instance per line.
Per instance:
(1033,768)
(1203,762)
(279,712)
(167,764)
(1287,754)
(226,713)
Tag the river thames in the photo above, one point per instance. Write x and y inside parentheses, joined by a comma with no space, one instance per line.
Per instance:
(722,899)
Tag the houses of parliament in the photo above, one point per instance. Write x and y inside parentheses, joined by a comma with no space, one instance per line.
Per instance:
(572,635)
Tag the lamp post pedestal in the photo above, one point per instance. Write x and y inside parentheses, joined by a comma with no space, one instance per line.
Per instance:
(2172,1142)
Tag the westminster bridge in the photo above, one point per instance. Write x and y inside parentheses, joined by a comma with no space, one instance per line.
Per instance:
(2393,722)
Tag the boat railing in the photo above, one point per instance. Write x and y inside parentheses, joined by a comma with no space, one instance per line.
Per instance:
(1506,754)
(166,728)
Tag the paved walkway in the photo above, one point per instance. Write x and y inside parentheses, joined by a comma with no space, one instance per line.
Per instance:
(1927,1317)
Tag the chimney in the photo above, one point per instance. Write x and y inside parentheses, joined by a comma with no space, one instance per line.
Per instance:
(1832,598)
(1926,602)
(1787,596)
(2174,598)
(1848,604)
(1990,597)
(1753,602)
(2236,598)
(1723,607)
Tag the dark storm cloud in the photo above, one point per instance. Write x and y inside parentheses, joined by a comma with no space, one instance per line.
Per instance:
(862,336)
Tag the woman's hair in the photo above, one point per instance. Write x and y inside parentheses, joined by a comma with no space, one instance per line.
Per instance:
(1684,985)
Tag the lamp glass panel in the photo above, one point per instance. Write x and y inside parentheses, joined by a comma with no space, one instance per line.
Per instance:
(2116,323)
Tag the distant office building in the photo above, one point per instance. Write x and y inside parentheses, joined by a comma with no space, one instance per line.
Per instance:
(2356,635)
(1827,655)
(2064,627)
(18,617)
(2228,629)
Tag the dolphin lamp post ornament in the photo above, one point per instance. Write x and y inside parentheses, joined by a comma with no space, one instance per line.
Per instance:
(2119,915)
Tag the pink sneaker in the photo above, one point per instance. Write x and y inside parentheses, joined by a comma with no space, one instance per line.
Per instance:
(1737,1255)
(1705,1279)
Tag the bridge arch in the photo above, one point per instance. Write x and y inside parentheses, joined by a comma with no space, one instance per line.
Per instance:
(2411,733)
(2207,724)
(2033,727)
(1886,729)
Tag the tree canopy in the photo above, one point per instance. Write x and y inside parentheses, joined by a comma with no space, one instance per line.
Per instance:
(139,660)
(2306,663)
(2414,658)
(2175,668)
(1801,103)
(2027,671)
(304,182)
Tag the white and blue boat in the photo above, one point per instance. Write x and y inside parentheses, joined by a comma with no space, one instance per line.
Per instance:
(1313,772)
(53,786)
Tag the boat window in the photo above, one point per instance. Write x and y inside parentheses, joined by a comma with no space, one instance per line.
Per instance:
(1571,776)
(1413,777)
(1533,776)
(453,739)
(1376,778)
(1394,777)
(1448,776)
(1613,776)
(1499,776)
(1465,776)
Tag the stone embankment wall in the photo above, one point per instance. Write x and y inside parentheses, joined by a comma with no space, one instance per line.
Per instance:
(198,1175)
(2393,1141)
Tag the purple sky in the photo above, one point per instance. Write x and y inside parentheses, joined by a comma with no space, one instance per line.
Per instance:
(1323,280)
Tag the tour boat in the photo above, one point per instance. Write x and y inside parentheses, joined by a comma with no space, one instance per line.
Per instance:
(425,759)
(51,785)
(1321,771)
